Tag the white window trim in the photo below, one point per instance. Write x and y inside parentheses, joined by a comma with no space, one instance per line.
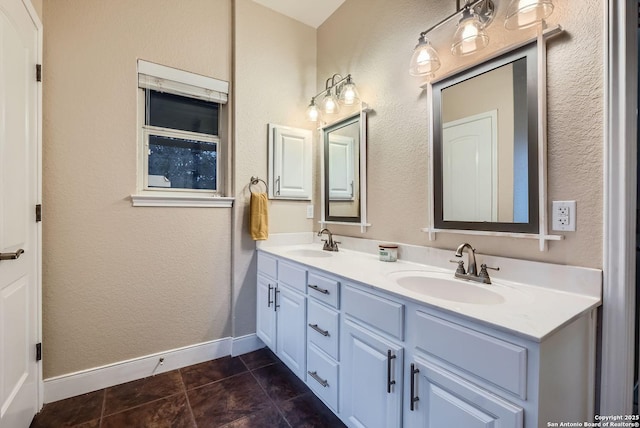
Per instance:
(179,82)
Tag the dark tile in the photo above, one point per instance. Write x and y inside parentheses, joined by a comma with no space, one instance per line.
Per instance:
(260,358)
(228,400)
(70,412)
(211,371)
(267,418)
(279,382)
(170,412)
(308,411)
(132,394)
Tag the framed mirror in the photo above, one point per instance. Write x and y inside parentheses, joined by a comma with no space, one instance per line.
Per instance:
(485,146)
(344,170)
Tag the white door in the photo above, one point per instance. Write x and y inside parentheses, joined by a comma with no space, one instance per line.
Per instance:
(470,169)
(341,167)
(371,379)
(19,234)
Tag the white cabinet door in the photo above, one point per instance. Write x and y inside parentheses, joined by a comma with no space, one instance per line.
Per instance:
(290,163)
(265,312)
(371,379)
(442,399)
(291,329)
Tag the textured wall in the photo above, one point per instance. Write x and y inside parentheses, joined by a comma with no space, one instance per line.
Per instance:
(121,282)
(275,62)
(373,40)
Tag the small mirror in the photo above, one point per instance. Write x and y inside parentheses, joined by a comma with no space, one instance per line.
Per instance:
(485,146)
(343,143)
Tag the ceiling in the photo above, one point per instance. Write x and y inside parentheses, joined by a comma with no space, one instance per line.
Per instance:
(310,12)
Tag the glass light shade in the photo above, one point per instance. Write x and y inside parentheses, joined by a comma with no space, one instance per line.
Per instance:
(525,13)
(425,59)
(349,94)
(329,104)
(312,112)
(469,36)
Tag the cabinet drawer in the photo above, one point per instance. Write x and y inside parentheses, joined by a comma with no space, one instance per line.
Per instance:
(322,377)
(493,360)
(322,327)
(294,276)
(383,314)
(267,265)
(323,288)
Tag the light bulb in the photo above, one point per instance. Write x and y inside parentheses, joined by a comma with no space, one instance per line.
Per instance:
(329,104)
(425,59)
(470,35)
(312,112)
(525,13)
(349,94)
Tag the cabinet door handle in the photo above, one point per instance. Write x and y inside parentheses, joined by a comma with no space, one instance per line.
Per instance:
(278,184)
(319,330)
(389,380)
(413,397)
(269,301)
(318,289)
(275,299)
(318,379)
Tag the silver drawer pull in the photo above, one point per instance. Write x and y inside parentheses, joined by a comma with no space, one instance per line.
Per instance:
(11,256)
(321,290)
(318,379)
(319,330)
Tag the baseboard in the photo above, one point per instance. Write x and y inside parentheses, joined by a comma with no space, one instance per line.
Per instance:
(70,385)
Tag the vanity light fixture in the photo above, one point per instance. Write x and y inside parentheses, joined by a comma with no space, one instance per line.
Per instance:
(469,37)
(425,59)
(346,93)
(526,13)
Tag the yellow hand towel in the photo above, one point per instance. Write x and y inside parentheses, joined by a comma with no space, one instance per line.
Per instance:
(259,225)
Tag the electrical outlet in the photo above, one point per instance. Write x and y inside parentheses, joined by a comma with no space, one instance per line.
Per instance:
(309,211)
(563,216)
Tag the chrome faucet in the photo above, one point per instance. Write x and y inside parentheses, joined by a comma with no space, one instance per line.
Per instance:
(471,273)
(329,243)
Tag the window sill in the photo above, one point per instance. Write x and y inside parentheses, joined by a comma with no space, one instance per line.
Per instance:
(181,201)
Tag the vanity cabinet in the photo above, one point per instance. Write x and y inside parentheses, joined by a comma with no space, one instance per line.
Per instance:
(381,360)
(281,311)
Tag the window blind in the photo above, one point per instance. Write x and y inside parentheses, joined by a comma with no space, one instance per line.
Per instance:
(179,82)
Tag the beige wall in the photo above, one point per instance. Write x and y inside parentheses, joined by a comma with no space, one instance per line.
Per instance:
(372,39)
(274,79)
(120,282)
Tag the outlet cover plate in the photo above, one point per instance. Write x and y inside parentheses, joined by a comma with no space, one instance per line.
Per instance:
(563,216)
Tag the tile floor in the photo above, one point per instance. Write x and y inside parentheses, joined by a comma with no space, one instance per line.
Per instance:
(253,390)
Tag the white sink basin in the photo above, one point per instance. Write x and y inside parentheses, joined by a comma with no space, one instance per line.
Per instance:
(444,286)
(305,252)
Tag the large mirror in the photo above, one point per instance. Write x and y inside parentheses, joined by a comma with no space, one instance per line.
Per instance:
(485,146)
(344,143)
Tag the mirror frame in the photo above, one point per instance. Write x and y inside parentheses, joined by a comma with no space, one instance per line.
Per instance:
(360,117)
(529,52)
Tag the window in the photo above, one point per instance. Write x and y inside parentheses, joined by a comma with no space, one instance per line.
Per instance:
(180,149)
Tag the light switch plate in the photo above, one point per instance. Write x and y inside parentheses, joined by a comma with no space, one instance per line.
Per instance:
(309,211)
(563,216)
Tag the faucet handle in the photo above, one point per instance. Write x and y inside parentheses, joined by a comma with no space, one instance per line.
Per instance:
(484,274)
(460,268)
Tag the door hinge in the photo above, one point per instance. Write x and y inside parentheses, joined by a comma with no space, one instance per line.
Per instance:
(39,351)
(38,72)
(38,213)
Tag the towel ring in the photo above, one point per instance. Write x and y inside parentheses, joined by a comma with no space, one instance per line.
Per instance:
(254,181)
